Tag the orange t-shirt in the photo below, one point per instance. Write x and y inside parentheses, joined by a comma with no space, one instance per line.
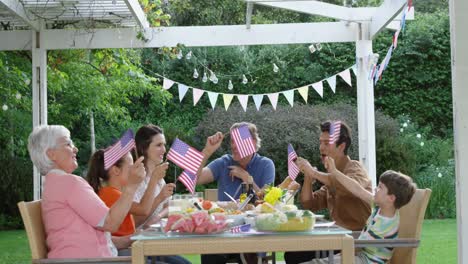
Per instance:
(110,195)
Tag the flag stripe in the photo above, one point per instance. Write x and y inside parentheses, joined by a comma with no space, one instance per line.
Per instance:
(243,140)
(185,156)
(241,228)
(293,170)
(188,162)
(114,153)
(335,129)
(184,161)
(119,149)
(188,181)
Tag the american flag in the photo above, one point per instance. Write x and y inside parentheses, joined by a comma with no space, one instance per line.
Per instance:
(240,228)
(189,180)
(185,156)
(293,170)
(335,128)
(243,140)
(119,149)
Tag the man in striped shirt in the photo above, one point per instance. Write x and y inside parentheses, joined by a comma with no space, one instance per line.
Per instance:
(394,191)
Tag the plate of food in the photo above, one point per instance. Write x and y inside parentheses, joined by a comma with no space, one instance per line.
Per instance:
(199,222)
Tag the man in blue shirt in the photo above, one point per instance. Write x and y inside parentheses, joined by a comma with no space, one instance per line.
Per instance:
(231,170)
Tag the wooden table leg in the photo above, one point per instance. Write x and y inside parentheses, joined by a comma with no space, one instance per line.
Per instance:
(137,253)
(347,253)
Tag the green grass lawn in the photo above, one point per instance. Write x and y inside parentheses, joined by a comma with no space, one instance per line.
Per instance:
(438,244)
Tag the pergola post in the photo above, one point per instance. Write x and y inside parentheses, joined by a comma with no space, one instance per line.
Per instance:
(459,42)
(39,89)
(365,96)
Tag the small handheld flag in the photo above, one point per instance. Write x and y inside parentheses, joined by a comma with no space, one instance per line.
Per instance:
(243,140)
(185,156)
(240,228)
(189,180)
(119,149)
(335,129)
(293,170)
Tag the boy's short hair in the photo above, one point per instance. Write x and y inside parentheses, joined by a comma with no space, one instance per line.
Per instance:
(345,134)
(400,185)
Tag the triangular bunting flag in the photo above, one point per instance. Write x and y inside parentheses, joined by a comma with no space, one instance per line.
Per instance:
(376,76)
(273,99)
(372,72)
(243,100)
(318,86)
(197,94)
(167,84)
(304,92)
(403,20)
(395,39)
(346,76)
(381,69)
(289,94)
(354,68)
(258,98)
(182,91)
(213,98)
(227,100)
(387,57)
(332,83)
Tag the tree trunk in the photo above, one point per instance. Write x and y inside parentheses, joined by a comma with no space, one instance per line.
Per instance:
(93,137)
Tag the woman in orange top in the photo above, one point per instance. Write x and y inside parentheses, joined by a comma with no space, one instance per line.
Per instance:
(108,185)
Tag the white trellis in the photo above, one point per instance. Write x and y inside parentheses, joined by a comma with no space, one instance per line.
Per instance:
(459,52)
(30,23)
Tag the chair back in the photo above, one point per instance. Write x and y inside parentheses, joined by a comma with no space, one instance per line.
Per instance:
(32,218)
(211,194)
(411,219)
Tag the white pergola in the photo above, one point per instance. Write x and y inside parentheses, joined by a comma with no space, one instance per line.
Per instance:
(31,22)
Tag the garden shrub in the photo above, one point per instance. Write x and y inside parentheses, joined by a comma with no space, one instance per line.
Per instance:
(401,144)
(441,180)
(17,185)
(299,126)
(434,166)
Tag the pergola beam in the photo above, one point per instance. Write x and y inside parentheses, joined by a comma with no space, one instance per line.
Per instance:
(15,40)
(126,38)
(322,9)
(297,33)
(17,9)
(137,12)
(384,15)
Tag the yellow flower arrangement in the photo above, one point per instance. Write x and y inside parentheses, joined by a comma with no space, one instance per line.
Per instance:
(273,195)
(242,197)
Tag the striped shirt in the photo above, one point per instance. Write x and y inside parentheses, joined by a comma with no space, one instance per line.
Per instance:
(379,227)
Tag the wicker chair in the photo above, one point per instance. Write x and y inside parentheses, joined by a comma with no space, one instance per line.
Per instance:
(411,219)
(409,234)
(32,219)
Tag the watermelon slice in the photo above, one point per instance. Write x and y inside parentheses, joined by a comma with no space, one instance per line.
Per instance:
(200,217)
(171,220)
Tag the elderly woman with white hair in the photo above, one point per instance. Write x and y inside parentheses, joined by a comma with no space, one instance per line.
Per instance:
(75,218)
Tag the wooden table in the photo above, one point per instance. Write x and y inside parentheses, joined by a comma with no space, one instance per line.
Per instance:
(158,244)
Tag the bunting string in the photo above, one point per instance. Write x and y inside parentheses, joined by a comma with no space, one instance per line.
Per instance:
(243,99)
(378,70)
